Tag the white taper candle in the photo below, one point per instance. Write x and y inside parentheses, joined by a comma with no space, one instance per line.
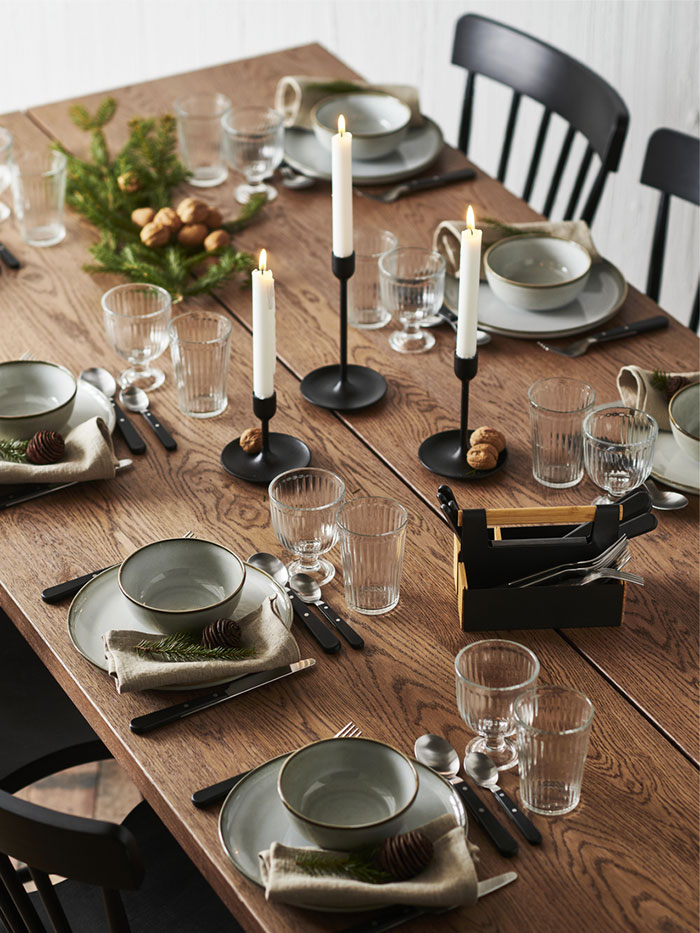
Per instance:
(469,274)
(264,349)
(341,190)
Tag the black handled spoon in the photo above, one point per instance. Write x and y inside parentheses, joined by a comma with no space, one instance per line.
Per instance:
(307,588)
(484,772)
(136,400)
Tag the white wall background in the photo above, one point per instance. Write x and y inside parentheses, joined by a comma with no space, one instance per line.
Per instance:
(647,49)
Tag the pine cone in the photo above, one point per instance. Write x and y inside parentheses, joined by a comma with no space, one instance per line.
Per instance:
(46,447)
(224,633)
(673,384)
(251,441)
(128,182)
(406,855)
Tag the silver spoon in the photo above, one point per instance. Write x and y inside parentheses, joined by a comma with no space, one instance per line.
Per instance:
(275,568)
(308,590)
(662,499)
(436,753)
(294,180)
(481,769)
(100,379)
(135,399)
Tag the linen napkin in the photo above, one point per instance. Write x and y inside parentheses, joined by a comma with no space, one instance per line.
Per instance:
(274,646)
(638,391)
(296,95)
(447,239)
(89,455)
(449,880)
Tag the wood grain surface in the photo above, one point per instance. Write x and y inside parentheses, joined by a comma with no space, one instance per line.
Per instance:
(626,858)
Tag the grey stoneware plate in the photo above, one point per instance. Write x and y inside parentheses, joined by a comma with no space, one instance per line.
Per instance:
(253,817)
(673,467)
(90,402)
(100,607)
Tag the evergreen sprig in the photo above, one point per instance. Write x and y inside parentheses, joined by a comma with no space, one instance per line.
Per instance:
(13,451)
(359,864)
(183,646)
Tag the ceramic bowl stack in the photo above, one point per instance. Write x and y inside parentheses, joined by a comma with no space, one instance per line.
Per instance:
(34,396)
(378,122)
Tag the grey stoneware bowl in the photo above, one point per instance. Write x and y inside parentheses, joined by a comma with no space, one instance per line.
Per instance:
(378,122)
(182,584)
(344,793)
(34,396)
(684,415)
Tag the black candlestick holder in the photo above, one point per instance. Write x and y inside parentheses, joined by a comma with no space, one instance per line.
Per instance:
(343,386)
(446,453)
(279,452)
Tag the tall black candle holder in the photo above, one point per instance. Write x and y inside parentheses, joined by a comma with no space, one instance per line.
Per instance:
(279,452)
(343,386)
(446,453)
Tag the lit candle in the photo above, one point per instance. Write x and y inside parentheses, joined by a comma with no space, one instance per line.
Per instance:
(469,272)
(264,350)
(341,190)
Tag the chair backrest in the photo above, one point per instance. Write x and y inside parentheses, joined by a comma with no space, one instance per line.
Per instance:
(562,85)
(90,851)
(672,166)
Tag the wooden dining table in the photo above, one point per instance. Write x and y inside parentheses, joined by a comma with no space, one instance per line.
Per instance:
(626,857)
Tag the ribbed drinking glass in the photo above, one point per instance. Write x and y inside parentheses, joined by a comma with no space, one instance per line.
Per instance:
(201,137)
(200,346)
(5,173)
(254,141)
(557,408)
(39,193)
(366,310)
(618,448)
(136,318)
(412,282)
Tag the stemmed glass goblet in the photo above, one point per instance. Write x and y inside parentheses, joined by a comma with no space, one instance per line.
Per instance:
(412,284)
(136,318)
(254,147)
(618,449)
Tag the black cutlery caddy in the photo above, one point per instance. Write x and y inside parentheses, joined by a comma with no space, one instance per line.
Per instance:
(498,545)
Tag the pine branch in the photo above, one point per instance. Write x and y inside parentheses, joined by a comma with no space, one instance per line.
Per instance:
(13,451)
(182,647)
(359,865)
(247,214)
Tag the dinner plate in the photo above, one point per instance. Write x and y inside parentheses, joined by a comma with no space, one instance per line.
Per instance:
(253,817)
(100,607)
(419,149)
(89,403)
(674,468)
(604,294)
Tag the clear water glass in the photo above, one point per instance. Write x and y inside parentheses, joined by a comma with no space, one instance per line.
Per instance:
(553,726)
(200,347)
(490,675)
(201,137)
(136,318)
(254,140)
(366,310)
(304,507)
(412,282)
(5,173)
(558,406)
(372,541)
(39,193)
(618,448)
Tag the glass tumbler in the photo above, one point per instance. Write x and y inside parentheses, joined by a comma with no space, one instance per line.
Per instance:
(201,137)
(254,146)
(490,675)
(200,347)
(366,309)
(618,449)
(136,318)
(412,282)
(39,192)
(372,541)
(5,173)
(557,408)
(553,725)
(304,506)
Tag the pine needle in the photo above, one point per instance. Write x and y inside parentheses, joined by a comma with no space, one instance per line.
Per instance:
(360,865)
(13,451)
(182,646)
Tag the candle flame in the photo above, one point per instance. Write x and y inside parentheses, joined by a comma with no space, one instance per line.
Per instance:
(470,219)
(262,262)
(341,124)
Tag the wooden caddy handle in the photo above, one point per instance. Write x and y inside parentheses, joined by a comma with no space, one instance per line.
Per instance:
(540,515)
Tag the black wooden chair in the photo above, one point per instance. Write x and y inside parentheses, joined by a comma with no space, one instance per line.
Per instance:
(563,86)
(672,166)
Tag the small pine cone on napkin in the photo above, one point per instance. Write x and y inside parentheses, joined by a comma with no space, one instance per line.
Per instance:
(224,633)
(406,855)
(46,447)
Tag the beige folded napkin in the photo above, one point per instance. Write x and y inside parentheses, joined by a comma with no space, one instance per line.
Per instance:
(274,646)
(447,239)
(89,455)
(296,95)
(449,880)
(638,391)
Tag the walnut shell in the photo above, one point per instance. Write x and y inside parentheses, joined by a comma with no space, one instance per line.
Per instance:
(154,234)
(214,219)
(482,457)
(487,435)
(46,447)
(167,217)
(251,441)
(142,216)
(192,211)
(128,182)
(192,234)
(217,239)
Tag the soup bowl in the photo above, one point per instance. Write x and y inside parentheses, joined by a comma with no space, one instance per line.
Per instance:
(34,396)
(378,122)
(684,415)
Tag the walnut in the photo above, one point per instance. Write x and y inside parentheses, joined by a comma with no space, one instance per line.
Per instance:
(482,457)
(192,234)
(192,211)
(167,217)
(251,441)
(128,182)
(213,220)
(142,216)
(217,239)
(487,435)
(154,234)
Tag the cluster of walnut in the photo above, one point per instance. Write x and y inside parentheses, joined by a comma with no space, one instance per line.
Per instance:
(193,223)
(486,444)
